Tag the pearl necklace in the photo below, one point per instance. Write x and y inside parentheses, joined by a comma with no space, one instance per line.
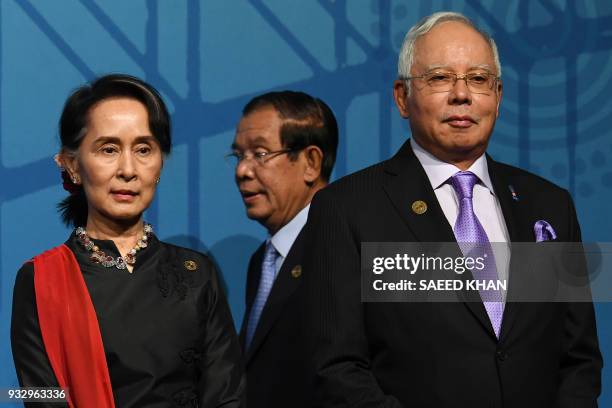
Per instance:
(99,256)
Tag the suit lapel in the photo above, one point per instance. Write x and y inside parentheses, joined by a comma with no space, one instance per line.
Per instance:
(516,216)
(287,281)
(406,183)
(503,191)
(516,212)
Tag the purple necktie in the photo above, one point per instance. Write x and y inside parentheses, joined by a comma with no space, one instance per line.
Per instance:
(474,242)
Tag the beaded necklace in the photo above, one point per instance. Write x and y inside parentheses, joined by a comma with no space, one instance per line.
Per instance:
(99,256)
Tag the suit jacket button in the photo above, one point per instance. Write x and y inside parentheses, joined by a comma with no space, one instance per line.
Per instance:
(501,356)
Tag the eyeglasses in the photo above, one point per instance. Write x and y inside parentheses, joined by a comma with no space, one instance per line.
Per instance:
(261,158)
(440,81)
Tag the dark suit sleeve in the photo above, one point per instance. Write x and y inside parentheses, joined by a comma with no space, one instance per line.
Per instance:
(335,327)
(580,369)
(222,382)
(31,362)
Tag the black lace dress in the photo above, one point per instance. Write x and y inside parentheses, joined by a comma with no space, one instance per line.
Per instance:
(167,331)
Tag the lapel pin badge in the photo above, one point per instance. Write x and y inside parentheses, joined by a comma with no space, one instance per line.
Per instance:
(515,196)
(296,272)
(190,265)
(419,207)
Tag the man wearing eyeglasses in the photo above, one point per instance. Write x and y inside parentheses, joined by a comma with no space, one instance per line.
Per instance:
(284,151)
(442,187)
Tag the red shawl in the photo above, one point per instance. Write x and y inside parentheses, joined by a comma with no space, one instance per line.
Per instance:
(70,329)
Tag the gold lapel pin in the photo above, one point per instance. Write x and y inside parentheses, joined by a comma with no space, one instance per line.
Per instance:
(419,207)
(190,265)
(296,272)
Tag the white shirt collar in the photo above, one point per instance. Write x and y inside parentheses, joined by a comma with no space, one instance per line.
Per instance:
(285,237)
(438,171)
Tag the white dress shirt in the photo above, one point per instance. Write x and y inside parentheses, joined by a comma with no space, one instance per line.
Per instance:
(486,205)
(285,237)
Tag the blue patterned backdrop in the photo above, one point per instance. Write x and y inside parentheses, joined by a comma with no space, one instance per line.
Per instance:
(208,58)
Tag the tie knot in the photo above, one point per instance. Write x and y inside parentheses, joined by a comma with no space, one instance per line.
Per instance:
(463,182)
(271,253)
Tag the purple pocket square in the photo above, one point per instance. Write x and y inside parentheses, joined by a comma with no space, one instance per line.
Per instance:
(544,231)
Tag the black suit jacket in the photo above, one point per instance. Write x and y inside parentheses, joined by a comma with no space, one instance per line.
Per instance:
(275,363)
(438,354)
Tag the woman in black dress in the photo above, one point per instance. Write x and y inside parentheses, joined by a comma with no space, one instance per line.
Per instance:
(115,315)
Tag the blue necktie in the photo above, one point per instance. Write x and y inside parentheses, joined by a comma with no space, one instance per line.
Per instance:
(473,241)
(268,274)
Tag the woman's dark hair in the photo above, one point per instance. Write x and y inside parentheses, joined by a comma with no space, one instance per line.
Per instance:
(306,121)
(75,117)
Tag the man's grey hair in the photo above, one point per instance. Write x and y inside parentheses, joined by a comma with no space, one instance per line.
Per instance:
(406,55)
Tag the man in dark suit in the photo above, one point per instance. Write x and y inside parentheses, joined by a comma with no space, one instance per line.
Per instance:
(442,187)
(285,149)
